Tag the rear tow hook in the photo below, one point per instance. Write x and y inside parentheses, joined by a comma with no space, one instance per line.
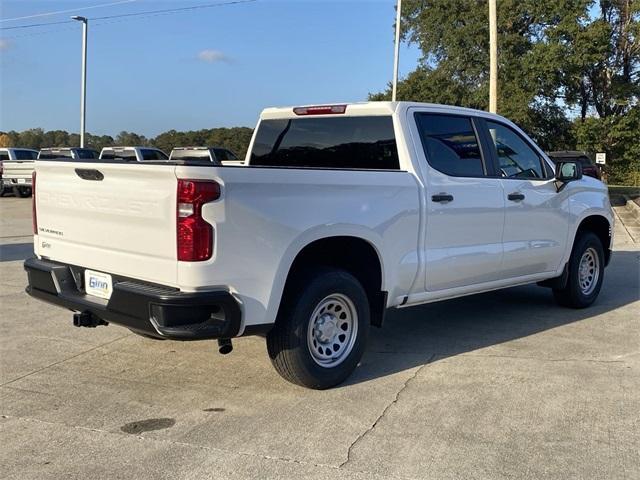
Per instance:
(87,319)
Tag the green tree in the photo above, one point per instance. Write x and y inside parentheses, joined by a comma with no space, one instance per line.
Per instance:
(553,57)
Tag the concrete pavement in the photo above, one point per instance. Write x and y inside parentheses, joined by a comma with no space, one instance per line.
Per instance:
(500,385)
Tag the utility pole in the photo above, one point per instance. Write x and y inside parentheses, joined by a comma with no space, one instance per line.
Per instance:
(83,93)
(493,58)
(396,56)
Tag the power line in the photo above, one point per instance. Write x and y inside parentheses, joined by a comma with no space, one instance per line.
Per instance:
(138,14)
(36,25)
(48,14)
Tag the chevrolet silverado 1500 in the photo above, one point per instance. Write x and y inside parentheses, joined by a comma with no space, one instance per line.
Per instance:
(341,212)
(17,167)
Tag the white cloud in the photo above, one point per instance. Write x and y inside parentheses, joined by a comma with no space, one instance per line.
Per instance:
(4,44)
(212,56)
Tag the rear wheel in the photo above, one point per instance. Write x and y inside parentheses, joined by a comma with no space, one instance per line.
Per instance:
(22,192)
(321,330)
(586,272)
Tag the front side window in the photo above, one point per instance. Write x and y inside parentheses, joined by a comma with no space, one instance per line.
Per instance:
(515,157)
(330,142)
(450,144)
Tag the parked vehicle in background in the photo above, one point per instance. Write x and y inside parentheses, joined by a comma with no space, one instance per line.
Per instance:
(133,154)
(588,167)
(17,167)
(75,153)
(215,155)
(342,212)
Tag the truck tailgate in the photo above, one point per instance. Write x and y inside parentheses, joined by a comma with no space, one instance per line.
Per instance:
(111,217)
(18,169)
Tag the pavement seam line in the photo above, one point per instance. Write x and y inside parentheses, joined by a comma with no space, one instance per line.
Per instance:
(386,410)
(192,445)
(64,360)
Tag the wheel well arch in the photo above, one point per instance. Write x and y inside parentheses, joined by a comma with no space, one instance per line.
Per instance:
(352,254)
(599,225)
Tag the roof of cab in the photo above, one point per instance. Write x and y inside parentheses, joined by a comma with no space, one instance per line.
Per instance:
(374,108)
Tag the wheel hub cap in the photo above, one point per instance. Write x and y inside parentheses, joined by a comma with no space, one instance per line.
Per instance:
(588,271)
(332,330)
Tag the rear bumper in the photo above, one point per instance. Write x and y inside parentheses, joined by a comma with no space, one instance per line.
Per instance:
(17,182)
(155,310)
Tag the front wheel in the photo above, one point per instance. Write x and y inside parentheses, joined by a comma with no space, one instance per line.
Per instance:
(586,272)
(321,330)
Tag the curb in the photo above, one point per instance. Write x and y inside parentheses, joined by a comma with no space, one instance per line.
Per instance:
(632,207)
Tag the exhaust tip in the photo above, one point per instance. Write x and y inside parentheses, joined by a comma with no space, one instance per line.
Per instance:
(225,346)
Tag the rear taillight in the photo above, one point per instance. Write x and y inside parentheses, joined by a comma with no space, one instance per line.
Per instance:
(34,215)
(194,235)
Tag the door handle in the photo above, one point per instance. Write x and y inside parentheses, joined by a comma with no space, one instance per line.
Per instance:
(515,197)
(442,198)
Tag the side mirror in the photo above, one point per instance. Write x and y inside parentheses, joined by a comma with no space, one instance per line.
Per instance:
(568,171)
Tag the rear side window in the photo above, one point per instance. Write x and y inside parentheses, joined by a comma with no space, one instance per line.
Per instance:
(148,154)
(450,144)
(222,154)
(4,156)
(86,153)
(25,155)
(334,142)
(516,158)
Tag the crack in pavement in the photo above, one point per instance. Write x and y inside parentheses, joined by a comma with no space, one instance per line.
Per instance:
(386,409)
(272,458)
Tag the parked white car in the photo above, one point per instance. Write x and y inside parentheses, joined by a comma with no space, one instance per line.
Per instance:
(16,165)
(133,154)
(342,212)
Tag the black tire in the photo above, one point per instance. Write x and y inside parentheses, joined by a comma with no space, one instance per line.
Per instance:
(22,192)
(572,295)
(288,344)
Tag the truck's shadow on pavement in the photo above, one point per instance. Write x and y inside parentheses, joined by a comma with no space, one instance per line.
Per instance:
(415,336)
(16,251)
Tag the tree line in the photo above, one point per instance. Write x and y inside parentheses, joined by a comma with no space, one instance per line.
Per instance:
(568,71)
(235,139)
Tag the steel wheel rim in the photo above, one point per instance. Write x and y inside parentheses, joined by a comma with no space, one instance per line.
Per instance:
(332,330)
(588,271)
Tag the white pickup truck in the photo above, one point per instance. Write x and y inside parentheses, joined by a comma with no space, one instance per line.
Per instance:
(134,154)
(341,212)
(17,167)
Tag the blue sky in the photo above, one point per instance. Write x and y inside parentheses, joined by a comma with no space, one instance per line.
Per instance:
(197,69)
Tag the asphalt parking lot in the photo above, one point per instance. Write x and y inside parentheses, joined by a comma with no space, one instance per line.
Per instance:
(499,385)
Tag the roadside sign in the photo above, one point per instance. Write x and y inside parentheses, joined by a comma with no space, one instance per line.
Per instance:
(601,158)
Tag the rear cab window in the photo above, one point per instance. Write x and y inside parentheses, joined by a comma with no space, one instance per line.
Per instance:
(356,142)
(123,154)
(25,155)
(50,154)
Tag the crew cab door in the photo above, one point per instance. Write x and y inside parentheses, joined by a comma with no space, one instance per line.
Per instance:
(536,216)
(464,204)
